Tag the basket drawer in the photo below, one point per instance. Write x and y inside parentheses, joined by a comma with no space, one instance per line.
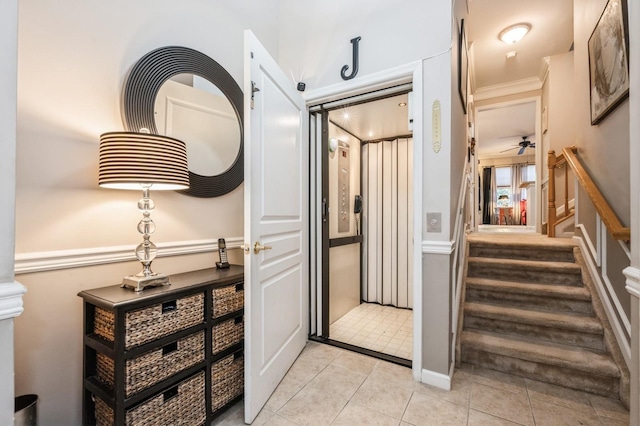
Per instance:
(227,380)
(227,333)
(182,404)
(228,299)
(154,366)
(150,323)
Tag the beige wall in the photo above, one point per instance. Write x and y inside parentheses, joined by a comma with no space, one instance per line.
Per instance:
(72,65)
(604,148)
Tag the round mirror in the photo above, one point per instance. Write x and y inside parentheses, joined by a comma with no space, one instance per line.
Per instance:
(182,93)
(193,110)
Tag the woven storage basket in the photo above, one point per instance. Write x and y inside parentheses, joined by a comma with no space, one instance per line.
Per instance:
(184,404)
(228,299)
(227,380)
(153,322)
(226,334)
(154,366)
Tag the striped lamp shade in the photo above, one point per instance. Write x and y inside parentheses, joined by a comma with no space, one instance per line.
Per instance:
(129,159)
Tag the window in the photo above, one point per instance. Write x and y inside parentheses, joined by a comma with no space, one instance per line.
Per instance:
(528,175)
(503,186)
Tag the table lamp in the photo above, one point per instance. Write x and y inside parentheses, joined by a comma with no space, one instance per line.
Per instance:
(143,161)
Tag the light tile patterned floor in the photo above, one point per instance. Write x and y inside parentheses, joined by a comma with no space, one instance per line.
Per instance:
(332,386)
(380,328)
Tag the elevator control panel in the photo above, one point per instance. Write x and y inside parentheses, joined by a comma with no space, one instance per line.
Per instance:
(344,197)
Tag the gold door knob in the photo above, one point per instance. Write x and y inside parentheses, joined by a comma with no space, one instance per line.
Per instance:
(257,247)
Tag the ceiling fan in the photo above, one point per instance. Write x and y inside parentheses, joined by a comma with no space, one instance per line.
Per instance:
(524,144)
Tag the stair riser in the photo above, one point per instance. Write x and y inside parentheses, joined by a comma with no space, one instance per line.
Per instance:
(566,377)
(536,332)
(525,275)
(529,301)
(515,252)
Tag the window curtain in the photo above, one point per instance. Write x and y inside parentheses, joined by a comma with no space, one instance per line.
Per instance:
(487,211)
(492,200)
(516,180)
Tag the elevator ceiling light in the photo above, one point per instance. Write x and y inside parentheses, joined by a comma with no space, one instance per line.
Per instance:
(514,33)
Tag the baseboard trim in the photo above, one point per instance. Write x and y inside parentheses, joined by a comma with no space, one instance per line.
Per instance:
(67,259)
(613,314)
(11,299)
(438,380)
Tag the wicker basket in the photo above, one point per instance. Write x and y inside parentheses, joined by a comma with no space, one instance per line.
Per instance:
(227,380)
(184,404)
(226,334)
(153,322)
(154,366)
(228,299)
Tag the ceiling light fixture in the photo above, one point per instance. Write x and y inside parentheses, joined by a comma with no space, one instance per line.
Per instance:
(402,104)
(514,33)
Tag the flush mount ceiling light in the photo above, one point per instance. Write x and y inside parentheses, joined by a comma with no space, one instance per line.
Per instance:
(514,33)
(402,104)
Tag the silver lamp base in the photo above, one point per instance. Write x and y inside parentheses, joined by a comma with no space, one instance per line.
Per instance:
(139,282)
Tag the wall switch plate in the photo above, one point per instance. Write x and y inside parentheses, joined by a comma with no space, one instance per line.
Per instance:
(434,222)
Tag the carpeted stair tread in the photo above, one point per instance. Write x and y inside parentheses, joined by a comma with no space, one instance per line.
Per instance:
(558,291)
(558,267)
(565,358)
(583,324)
(514,250)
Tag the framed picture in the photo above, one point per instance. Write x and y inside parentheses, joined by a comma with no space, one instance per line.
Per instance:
(463,66)
(608,61)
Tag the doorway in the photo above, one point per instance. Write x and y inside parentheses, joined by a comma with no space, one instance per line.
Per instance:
(367,224)
(509,147)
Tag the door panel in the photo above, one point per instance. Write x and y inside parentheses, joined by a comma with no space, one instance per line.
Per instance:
(276,217)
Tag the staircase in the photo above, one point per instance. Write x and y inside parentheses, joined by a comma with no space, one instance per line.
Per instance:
(527,312)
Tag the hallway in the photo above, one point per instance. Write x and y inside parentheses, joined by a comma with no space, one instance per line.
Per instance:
(332,386)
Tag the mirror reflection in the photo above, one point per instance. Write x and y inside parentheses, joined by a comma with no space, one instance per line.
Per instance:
(194,110)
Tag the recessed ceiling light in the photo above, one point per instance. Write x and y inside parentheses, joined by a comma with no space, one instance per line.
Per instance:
(370,133)
(402,104)
(345,115)
(514,33)
(511,54)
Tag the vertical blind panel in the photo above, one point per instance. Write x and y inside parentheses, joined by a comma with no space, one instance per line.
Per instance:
(379,240)
(372,230)
(387,196)
(394,223)
(403,207)
(387,175)
(364,221)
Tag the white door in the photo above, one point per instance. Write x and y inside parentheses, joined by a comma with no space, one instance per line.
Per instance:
(276,216)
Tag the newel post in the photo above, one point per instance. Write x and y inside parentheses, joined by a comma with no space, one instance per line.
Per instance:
(551,220)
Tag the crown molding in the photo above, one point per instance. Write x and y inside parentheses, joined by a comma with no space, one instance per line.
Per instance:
(544,70)
(509,88)
(66,259)
(11,299)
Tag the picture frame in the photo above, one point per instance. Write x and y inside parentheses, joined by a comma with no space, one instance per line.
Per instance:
(608,49)
(463,66)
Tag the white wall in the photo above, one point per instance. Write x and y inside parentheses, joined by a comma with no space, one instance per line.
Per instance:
(8,61)
(72,63)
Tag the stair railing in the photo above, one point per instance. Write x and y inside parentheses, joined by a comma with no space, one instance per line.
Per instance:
(607,215)
(459,251)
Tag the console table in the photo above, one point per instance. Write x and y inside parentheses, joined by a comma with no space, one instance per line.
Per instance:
(166,355)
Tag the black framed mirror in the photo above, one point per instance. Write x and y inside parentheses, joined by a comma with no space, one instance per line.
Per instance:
(142,86)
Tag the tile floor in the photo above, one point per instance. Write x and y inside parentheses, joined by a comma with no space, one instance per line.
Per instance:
(332,386)
(380,328)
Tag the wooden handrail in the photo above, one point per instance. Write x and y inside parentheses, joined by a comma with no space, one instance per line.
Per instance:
(608,216)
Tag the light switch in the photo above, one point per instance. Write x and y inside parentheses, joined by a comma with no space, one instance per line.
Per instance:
(434,222)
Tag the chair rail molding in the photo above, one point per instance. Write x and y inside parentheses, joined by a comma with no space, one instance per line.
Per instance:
(438,247)
(66,259)
(633,280)
(11,299)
